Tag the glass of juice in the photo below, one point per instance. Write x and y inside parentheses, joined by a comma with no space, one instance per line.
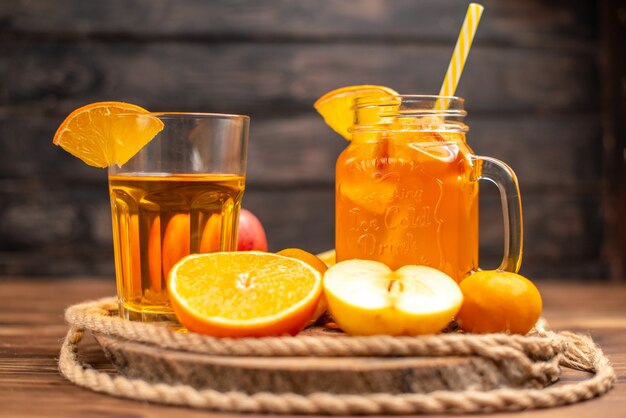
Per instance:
(180,194)
(407,188)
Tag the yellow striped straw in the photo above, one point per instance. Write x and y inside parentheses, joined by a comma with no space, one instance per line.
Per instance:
(463,45)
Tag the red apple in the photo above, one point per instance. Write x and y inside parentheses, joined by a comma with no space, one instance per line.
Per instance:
(251,233)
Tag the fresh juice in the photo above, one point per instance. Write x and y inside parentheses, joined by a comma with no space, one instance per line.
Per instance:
(157,220)
(408,198)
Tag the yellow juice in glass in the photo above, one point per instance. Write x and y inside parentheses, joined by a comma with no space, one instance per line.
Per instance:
(157,220)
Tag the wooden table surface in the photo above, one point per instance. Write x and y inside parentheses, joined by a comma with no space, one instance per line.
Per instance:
(32,328)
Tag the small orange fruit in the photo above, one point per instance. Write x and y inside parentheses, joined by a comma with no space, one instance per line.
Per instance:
(210,239)
(129,254)
(155,264)
(175,241)
(305,256)
(337,106)
(498,301)
(316,263)
(328,257)
(164,253)
(93,134)
(244,294)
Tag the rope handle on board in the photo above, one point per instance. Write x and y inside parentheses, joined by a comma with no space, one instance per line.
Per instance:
(576,351)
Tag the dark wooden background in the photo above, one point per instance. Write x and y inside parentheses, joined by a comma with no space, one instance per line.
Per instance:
(534,87)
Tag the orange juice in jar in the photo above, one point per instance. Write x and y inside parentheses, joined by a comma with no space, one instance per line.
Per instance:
(407,188)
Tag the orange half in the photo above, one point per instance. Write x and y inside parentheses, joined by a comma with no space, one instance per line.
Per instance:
(93,133)
(244,294)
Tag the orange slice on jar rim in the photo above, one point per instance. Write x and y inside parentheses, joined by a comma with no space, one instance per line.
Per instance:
(337,106)
(95,135)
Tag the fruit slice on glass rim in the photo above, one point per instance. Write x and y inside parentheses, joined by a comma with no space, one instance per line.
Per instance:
(94,134)
(368,298)
(337,106)
(244,294)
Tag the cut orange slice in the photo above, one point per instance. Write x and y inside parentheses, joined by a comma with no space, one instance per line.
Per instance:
(337,106)
(93,133)
(244,294)
(373,196)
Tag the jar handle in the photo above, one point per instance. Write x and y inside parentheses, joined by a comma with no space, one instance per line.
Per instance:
(504,178)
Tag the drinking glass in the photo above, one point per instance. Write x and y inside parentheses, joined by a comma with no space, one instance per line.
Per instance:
(180,194)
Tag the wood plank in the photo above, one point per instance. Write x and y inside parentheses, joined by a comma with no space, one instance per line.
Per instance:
(533,22)
(555,225)
(348,375)
(545,151)
(281,79)
(614,138)
(32,330)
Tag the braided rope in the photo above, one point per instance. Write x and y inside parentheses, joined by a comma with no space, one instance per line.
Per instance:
(96,316)
(568,349)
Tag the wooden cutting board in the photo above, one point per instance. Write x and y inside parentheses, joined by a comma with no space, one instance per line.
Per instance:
(303,375)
